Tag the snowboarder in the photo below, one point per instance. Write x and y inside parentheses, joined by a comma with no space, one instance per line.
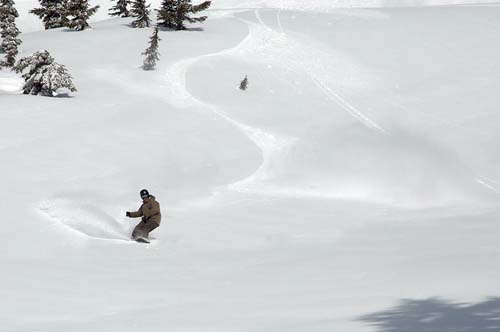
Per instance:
(151,217)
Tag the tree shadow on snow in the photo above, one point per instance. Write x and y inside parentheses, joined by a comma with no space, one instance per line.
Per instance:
(73,30)
(196,29)
(162,28)
(63,95)
(437,315)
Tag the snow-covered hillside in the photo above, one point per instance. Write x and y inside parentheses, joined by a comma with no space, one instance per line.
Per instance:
(354,186)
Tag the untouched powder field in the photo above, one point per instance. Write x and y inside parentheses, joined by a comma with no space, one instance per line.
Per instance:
(354,187)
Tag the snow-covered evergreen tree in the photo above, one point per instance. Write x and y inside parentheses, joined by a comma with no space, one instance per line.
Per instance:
(120,9)
(167,13)
(8,32)
(173,13)
(9,45)
(52,13)
(151,53)
(79,12)
(8,15)
(44,76)
(141,13)
(7,10)
(244,84)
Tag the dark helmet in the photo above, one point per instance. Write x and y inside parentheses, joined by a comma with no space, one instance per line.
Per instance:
(144,193)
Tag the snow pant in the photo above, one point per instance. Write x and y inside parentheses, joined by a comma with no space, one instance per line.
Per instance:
(143,229)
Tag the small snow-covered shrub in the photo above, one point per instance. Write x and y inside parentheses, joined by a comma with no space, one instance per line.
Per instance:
(43,75)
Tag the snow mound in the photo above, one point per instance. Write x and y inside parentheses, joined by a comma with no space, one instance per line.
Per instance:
(355,163)
(10,83)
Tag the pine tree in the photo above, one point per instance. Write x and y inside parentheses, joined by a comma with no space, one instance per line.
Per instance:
(10,44)
(52,13)
(8,32)
(8,15)
(167,13)
(173,13)
(141,12)
(184,8)
(44,76)
(151,53)
(244,84)
(120,9)
(79,12)
(7,9)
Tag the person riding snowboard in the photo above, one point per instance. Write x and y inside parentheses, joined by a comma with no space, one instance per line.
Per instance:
(151,216)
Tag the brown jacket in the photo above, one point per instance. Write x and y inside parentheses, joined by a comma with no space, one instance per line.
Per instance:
(149,211)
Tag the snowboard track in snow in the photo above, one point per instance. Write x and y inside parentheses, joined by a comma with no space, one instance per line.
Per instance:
(84,219)
(270,46)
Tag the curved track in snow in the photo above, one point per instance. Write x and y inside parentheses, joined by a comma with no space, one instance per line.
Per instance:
(278,48)
(336,76)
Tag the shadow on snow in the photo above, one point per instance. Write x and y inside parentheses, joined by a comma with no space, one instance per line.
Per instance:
(437,315)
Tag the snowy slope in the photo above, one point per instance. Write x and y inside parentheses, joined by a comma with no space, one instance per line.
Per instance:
(359,169)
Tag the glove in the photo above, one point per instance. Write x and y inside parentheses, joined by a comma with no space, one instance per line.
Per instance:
(127,214)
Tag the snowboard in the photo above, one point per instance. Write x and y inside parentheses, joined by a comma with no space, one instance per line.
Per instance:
(142,240)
